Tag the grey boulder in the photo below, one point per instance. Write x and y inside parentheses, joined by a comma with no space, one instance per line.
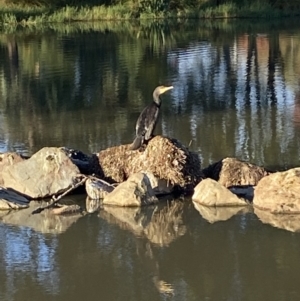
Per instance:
(135,191)
(48,172)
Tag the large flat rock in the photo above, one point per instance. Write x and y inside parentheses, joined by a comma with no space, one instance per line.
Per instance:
(211,193)
(279,192)
(48,172)
(136,191)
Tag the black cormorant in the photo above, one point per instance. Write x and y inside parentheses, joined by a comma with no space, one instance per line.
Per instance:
(146,122)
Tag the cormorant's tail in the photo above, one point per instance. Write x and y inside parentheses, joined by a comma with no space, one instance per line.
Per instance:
(137,143)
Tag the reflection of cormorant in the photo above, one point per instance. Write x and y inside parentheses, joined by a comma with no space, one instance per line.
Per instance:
(146,122)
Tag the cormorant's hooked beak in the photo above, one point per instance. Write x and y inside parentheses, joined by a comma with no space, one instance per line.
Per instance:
(164,89)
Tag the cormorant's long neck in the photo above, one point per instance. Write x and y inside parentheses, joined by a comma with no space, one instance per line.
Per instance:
(157,100)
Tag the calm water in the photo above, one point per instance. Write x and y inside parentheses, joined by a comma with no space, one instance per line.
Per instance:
(236,93)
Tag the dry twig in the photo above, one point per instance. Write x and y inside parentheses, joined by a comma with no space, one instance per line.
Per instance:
(54,200)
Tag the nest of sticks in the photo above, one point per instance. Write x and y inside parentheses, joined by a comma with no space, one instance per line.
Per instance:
(166,158)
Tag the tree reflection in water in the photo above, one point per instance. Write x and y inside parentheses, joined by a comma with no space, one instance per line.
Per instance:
(235,86)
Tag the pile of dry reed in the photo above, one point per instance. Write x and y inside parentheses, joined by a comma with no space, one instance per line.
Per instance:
(166,158)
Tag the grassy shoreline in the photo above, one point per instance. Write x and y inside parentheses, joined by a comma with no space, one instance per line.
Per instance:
(17,14)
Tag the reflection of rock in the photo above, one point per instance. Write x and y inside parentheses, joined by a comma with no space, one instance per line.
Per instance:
(97,189)
(45,222)
(279,192)
(11,200)
(135,191)
(48,172)
(92,205)
(161,225)
(66,209)
(125,218)
(216,214)
(290,222)
(233,172)
(211,193)
(163,287)
(166,224)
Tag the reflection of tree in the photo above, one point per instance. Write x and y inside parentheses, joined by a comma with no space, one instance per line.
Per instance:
(230,82)
(158,34)
(296,113)
(13,56)
(27,254)
(251,54)
(248,107)
(273,59)
(56,80)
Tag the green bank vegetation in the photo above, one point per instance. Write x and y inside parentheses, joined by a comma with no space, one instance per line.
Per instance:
(53,11)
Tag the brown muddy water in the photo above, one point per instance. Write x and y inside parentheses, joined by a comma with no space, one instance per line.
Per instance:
(236,93)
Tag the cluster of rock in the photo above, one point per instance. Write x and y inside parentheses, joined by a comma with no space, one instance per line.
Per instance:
(162,167)
(272,196)
(125,178)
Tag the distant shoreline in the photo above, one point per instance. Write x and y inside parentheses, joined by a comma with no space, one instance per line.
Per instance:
(11,14)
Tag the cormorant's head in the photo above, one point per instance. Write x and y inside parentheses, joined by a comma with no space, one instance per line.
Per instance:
(160,90)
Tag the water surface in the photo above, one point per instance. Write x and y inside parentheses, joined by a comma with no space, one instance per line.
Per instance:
(236,87)
(236,93)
